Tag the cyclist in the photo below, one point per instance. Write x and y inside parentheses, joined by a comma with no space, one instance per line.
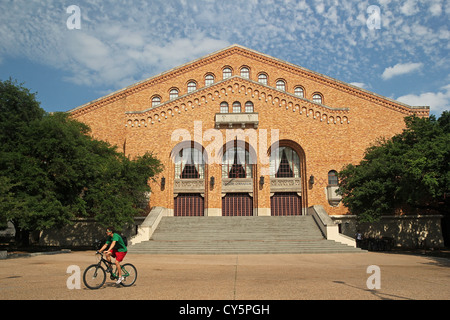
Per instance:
(117,249)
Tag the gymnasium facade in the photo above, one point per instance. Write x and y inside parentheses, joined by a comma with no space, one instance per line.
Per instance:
(242,133)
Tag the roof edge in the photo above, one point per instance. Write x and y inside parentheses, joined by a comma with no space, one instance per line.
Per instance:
(245,49)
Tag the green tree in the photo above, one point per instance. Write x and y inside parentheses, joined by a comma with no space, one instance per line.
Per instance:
(408,173)
(52,170)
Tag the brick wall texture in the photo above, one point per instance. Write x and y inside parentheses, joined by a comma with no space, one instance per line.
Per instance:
(326,135)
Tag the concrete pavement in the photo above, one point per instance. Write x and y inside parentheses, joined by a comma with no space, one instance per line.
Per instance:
(235,277)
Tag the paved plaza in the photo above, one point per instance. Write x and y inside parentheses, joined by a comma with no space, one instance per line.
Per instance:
(236,277)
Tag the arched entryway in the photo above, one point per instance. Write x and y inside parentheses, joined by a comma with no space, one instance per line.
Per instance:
(189,179)
(238,169)
(287,179)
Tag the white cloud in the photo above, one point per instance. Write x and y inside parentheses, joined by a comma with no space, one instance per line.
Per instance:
(436,8)
(409,8)
(400,69)
(359,85)
(320,8)
(130,40)
(437,101)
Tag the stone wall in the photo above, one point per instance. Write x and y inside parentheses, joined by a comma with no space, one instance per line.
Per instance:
(422,231)
(83,233)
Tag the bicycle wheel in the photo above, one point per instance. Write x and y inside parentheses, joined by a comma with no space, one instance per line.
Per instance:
(94,276)
(129,273)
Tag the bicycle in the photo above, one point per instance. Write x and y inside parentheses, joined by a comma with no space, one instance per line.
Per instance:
(94,276)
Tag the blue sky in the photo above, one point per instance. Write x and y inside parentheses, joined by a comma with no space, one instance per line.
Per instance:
(398,49)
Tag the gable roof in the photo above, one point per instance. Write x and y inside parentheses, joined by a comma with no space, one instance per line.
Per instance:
(235,48)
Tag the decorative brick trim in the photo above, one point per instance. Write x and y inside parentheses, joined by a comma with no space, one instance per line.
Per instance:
(240,88)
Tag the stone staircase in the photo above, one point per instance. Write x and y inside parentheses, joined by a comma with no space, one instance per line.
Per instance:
(238,235)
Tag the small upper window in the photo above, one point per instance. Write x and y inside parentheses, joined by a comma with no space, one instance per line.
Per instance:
(262,78)
(192,86)
(156,101)
(173,94)
(245,73)
(224,107)
(209,79)
(226,73)
(299,92)
(249,107)
(281,85)
(317,98)
(236,107)
(332,178)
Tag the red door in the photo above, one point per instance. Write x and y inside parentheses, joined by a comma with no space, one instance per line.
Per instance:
(188,204)
(285,204)
(237,204)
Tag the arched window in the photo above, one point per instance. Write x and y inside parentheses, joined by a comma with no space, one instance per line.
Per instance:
(245,73)
(236,162)
(281,85)
(189,164)
(226,73)
(224,107)
(192,86)
(299,92)
(249,107)
(236,107)
(333,178)
(156,101)
(209,79)
(317,98)
(284,163)
(262,78)
(173,94)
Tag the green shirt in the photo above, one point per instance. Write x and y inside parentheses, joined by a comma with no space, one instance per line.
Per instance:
(120,245)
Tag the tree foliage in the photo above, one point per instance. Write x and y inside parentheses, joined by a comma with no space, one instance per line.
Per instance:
(409,173)
(52,170)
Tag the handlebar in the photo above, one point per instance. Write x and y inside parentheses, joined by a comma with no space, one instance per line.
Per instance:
(100,253)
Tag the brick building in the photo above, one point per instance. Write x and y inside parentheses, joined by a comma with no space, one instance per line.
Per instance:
(243,133)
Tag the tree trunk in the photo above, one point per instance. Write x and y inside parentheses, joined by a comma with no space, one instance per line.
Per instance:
(22,237)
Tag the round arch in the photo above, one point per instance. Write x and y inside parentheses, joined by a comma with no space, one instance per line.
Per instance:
(188,144)
(302,170)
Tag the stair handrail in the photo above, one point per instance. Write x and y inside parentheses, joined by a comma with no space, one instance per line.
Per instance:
(151,222)
(328,227)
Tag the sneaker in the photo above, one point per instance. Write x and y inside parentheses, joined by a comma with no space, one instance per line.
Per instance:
(119,280)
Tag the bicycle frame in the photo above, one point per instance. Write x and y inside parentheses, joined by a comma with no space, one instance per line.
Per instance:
(95,275)
(109,267)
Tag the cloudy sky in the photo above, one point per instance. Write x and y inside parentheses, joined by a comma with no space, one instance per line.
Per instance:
(399,49)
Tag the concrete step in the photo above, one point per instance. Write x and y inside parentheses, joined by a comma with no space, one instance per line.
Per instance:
(238,235)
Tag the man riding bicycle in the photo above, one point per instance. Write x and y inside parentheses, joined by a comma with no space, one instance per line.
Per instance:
(117,249)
